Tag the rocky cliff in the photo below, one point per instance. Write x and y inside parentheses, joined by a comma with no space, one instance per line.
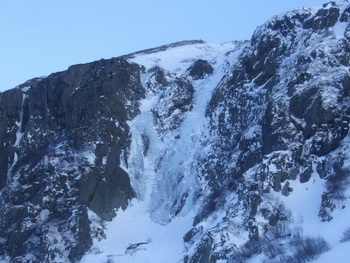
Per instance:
(62,138)
(189,152)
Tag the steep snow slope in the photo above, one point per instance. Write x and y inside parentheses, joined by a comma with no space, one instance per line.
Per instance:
(161,161)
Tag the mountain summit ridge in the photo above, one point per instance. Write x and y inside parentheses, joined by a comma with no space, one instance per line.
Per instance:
(189,152)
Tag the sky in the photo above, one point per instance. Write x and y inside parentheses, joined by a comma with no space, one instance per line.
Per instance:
(39,37)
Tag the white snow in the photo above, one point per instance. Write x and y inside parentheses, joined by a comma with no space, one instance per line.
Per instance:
(256,259)
(152,242)
(19,133)
(339,29)
(44,215)
(178,59)
(90,157)
(25,89)
(305,201)
(338,254)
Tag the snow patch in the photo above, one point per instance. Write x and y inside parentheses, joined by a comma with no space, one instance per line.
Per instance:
(133,237)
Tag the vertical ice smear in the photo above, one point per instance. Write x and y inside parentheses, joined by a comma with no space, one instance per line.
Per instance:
(19,133)
(144,148)
(161,167)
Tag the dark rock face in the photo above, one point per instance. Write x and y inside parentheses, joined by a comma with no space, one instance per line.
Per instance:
(271,107)
(10,106)
(62,140)
(200,69)
(324,18)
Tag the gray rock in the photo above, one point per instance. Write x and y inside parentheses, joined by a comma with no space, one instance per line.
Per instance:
(199,69)
(73,132)
(324,18)
(285,189)
(305,175)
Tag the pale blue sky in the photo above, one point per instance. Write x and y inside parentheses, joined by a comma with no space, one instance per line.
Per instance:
(39,37)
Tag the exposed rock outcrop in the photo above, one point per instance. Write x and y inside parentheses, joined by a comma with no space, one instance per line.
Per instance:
(62,141)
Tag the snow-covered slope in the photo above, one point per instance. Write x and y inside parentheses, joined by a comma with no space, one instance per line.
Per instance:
(190,152)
